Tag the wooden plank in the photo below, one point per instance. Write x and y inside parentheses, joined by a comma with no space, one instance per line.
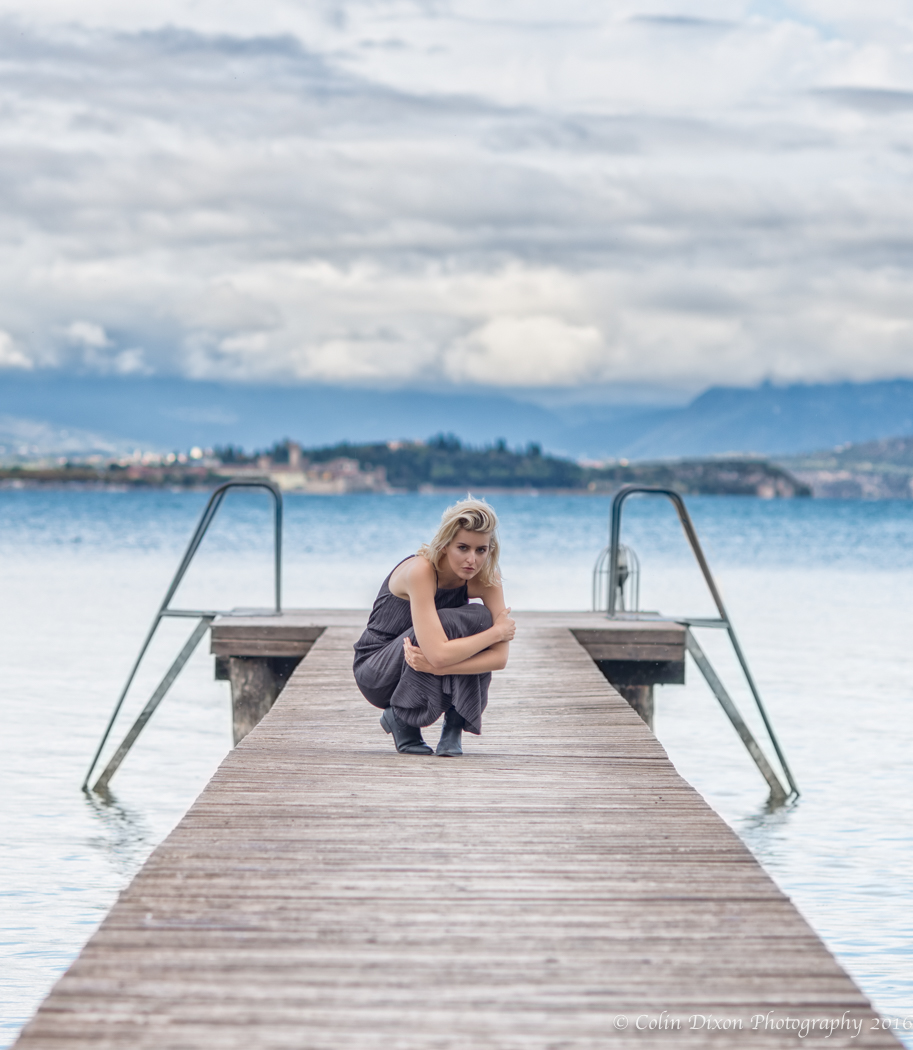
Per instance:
(632,634)
(258,647)
(325,892)
(625,651)
(224,628)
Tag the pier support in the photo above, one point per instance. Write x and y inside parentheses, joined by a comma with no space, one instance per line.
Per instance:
(634,656)
(640,697)
(256,681)
(257,654)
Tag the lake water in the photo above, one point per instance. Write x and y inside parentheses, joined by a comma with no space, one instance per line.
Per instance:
(821,593)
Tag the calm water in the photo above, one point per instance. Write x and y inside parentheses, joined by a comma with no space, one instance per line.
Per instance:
(820,592)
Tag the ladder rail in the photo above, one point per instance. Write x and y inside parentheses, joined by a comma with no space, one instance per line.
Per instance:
(101,785)
(778,794)
(724,621)
(206,519)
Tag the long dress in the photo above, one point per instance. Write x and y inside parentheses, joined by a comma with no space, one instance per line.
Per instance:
(417,697)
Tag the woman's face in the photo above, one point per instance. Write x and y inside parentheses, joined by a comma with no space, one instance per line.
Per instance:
(467,553)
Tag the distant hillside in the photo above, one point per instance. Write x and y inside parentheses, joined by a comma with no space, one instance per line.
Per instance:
(894,452)
(773,420)
(173,414)
(444,463)
(869,470)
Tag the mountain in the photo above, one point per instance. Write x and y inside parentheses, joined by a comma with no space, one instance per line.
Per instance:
(176,414)
(169,413)
(29,437)
(775,420)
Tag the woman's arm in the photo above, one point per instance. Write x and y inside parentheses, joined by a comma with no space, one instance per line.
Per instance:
(441,652)
(492,659)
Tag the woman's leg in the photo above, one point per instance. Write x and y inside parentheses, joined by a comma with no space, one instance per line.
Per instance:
(378,676)
(420,698)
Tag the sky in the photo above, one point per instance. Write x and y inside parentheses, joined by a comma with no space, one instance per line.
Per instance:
(541,196)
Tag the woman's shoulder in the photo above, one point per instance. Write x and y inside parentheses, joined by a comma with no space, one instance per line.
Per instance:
(414,571)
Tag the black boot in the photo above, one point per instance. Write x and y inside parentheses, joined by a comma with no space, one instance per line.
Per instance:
(449,744)
(408,739)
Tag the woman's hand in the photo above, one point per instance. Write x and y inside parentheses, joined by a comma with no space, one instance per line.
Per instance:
(504,625)
(416,659)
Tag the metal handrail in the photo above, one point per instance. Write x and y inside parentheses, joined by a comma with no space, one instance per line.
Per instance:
(204,615)
(691,535)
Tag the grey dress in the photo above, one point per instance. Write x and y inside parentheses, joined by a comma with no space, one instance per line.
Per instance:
(419,698)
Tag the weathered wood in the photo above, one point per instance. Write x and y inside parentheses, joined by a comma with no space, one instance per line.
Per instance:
(636,655)
(255,684)
(636,632)
(626,651)
(259,647)
(291,634)
(293,624)
(325,892)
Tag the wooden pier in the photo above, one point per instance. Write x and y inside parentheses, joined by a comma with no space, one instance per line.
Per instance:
(559,887)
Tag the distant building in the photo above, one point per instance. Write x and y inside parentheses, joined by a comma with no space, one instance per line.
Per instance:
(335,477)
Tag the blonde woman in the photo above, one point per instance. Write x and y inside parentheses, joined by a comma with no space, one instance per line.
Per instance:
(427,651)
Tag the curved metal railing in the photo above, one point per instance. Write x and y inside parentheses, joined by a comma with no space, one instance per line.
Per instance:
(205,616)
(778,792)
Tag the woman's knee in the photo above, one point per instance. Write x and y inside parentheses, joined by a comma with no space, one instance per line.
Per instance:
(466,620)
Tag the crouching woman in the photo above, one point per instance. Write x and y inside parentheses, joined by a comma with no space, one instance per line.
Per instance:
(427,651)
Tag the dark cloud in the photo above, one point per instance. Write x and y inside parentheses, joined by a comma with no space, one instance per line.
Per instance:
(868,100)
(686,22)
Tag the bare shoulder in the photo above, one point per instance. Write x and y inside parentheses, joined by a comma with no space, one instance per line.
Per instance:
(414,574)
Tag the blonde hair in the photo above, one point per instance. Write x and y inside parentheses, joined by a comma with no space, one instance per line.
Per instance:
(474,515)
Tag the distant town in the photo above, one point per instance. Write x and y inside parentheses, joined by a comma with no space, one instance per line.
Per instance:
(441,464)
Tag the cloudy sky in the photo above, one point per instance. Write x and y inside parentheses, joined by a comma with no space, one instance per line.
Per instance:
(523,195)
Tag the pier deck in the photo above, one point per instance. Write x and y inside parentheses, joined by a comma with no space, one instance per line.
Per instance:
(325,892)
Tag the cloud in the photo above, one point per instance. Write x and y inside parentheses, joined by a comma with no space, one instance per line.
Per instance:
(394,192)
(527,351)
(869,100)
(10,354)
(88,335)
(685,22)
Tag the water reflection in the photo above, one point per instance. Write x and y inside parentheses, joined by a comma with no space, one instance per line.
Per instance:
(125,837)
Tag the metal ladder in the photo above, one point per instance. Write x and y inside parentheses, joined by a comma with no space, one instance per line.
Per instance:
(778,792)
(204,616)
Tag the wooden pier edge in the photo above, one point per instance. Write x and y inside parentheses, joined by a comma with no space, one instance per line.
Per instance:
(560,886)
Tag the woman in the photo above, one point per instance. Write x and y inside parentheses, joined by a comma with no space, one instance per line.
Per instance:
(426,651)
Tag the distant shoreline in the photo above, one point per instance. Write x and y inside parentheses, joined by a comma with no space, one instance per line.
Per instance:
(442,465)
(80,485)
